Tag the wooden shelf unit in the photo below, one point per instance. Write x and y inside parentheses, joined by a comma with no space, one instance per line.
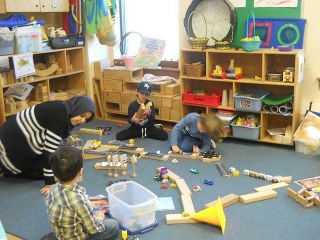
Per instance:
(70,79)
(253,64)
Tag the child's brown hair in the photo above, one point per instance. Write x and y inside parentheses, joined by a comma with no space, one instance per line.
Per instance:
(213,125)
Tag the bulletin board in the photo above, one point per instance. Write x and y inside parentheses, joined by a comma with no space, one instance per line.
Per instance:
(262,13)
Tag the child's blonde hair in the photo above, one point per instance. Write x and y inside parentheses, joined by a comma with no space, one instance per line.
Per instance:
(213,125)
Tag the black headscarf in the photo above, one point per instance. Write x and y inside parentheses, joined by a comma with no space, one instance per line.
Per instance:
(79,105)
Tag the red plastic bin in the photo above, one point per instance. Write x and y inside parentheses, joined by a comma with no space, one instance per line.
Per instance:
(213,101)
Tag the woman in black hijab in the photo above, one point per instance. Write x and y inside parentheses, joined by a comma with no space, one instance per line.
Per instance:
(28,138)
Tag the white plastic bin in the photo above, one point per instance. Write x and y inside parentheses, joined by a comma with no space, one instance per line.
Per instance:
(132,205)
(245,132)
(248,103)
(305,148)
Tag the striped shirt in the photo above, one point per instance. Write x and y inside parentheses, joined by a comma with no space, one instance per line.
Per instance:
(71,213)
(31,136)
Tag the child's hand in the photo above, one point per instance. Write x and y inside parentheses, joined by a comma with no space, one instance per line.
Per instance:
(100,215)
(196,149)
(134,119)
(175,149)
(46,189)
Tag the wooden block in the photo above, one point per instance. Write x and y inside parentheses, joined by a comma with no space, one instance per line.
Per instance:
(175,115)
(258,196)
(99,66)
(171,175)
(187,204)
(166,101)
(141,110)
(271,186)
(183,155)
(154,156)
(100,166)
(111,96)
(172,89)
(90,131)
(176,103)
(178,219)
(226,200)
(156,100)
(120,73)
(111,85)
(287,179)
(124,108)
(164,113)
(158,87)
(183,187)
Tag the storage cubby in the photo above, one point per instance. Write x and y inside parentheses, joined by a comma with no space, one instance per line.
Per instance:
(75,59)
(189,57)
(254,67)
(113,107)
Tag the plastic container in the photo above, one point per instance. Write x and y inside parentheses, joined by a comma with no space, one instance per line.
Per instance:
(6,43)
(245,132)
(132,205)
(205,100)
(129,62)
(249,103)
(28,39)
(305,148)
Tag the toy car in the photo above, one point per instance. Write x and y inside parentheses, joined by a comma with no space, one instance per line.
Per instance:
(174,161)
(157,178)
(208,182)
(194,170)
(197,188)
(164,186)
(165,181)
(173,185)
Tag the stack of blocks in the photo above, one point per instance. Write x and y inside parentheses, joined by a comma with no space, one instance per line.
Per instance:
(41,93)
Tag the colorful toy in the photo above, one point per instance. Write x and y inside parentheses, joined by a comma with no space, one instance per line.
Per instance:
(173,185)
(165,181)
(157,178)
(175,161)
(119,125)
(197,188)
(262,176)
(163,173)
(131,141)
(234,172)
(288,75)
(163,186)
(124,235)
(194,170)
(95,145)
(208,182)
(232,72)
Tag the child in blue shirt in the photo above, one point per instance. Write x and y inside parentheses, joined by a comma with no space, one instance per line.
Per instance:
(194,132)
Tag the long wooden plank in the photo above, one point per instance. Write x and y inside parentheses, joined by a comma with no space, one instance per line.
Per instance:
(271,186)
(100,166)
(226,200)
(286,179)
(171,175)
(178,219)
(187,204)
(181,155)
(90,131)
(154,156)
(183,187)
(258,196)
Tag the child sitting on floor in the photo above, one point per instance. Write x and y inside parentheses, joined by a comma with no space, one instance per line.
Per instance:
(194,132)
(70,212)
(142,127)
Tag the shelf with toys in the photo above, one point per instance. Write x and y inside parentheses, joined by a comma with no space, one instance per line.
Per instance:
(231,80)
(60,74)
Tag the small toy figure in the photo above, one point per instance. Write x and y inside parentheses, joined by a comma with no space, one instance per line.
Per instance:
(60,32)
(173,185)
(197,188)
(175,161)
(157,178)
(164,186)
(208,182)
(124,235)
(131,141)
(165,181)
(164,173)
(194,170)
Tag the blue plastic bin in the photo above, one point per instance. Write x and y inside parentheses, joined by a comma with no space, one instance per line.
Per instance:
(244,132)
(250,104)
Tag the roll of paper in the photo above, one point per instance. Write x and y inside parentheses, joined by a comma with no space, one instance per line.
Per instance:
(274,109)
(289,105)
(267,108)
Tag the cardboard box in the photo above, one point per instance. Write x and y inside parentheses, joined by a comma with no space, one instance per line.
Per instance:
(175,115)
(176,103)
(111,85)
(172,89)
(127,98)
(120,73)
(156,100)
(166,101)
(165,113)
(111,96)
(124,108)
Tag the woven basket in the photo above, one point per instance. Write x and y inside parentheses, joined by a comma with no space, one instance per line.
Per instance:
(194,70)
(251,45)
(197,43)
(222,45)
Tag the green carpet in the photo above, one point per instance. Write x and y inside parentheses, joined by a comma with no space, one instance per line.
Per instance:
(23,212)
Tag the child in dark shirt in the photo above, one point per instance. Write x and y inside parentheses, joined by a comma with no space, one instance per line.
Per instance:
(142,127)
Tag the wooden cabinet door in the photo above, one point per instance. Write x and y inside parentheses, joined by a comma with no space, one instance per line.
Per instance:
(54,5)
(22,5)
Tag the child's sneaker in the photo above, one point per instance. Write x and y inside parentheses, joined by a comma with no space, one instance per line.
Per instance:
(213,144)
(160,126)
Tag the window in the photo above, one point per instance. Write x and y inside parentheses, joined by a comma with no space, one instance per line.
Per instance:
(150,18)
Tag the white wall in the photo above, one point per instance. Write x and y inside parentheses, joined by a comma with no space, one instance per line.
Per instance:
(311,90)
(310,11)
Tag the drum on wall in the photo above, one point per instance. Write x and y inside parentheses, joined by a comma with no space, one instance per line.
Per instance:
(221,19)
(276,32)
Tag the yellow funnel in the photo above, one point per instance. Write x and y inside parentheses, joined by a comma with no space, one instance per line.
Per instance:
(213,215)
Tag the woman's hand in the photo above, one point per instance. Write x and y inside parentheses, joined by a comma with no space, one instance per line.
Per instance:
(45,190)
(175,149)
(196,149)
(101,215)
